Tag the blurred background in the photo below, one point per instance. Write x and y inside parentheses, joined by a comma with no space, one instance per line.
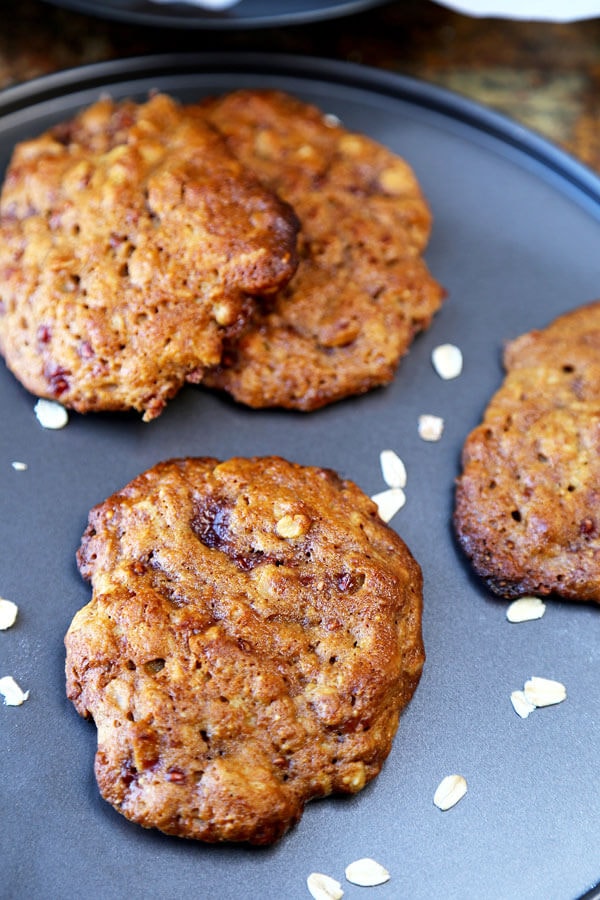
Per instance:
(544,75)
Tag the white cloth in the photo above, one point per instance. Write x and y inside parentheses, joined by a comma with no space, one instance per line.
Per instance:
(532,10)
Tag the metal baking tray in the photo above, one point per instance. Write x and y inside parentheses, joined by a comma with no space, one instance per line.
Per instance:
(515,242)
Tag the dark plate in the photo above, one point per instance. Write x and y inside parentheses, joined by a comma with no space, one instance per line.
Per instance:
(246,14)
(515,241)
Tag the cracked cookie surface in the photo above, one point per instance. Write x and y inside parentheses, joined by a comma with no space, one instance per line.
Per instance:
(362,291)
(526,511)
(253,635)
(131,244)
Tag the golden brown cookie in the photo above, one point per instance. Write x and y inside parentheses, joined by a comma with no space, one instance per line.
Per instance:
(131,241)
(527,500)
(253,634)
(362,291)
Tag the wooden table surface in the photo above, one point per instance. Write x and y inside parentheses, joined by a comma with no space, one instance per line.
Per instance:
(544,75)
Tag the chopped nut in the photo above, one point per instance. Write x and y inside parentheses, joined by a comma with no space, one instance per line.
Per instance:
(224,313)
(393,469)
(396,180)
(51,414)
(8,613)
(323,887)
(292,526)
(12,693)
(19,466)
(265,145)
(366,872)
(526,609)
(544,691)
(351,145)
(430,427)
(450,790)
(152,151)
(305,151)
(356,777)
(447,361)
(521,704)
(389,502)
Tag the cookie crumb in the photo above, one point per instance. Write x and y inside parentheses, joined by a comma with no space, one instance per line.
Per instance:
(430,427)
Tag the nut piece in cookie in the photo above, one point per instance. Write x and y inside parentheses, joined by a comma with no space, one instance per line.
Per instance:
(131,243)
(253,635)
(362,290)
(526,509)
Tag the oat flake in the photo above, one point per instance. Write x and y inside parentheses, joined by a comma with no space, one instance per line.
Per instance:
(544,691)
(521,705)
(450,790)
(447,361)
(392,469)
(8,613)
(526,609)
(51,414)
(366,872)
(324,887)
(389,503)
(12,693)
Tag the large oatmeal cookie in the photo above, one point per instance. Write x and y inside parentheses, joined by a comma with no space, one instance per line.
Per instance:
(527,510)
(362,290)
(254,633)
(131,241)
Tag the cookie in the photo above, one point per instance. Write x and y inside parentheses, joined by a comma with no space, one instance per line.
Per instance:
(131,244)
(362,290)
(253,635)
(526,509)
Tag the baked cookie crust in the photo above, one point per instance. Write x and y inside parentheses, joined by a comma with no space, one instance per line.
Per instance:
(253,635)
(526,510)
(362,290)
(131,244)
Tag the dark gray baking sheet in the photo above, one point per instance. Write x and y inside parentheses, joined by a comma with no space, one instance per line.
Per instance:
(246,14)
(516,241)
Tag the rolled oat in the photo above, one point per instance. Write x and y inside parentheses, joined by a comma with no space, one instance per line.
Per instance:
(8,613)
(450,790)
(12,693)
(447,361)
(526,609)
(389,502)
(324,887)
(51,414)
(366,872)
(392,469)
